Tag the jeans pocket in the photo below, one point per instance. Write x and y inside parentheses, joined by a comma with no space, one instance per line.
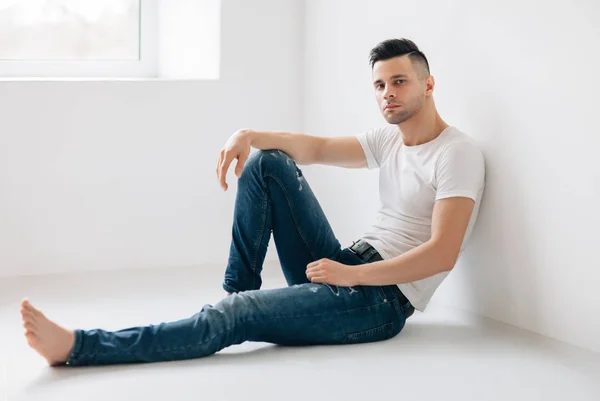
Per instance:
(380,333)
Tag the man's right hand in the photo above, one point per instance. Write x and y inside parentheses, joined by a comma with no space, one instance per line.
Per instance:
(237,147)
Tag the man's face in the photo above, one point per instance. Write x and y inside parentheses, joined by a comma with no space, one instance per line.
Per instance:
(399,91)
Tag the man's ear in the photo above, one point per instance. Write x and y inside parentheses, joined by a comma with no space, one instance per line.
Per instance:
(430,85)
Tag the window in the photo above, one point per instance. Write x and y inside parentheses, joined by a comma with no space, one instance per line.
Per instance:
(173,39)
(69,30)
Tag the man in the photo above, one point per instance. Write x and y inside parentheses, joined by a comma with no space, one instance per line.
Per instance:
(431,184)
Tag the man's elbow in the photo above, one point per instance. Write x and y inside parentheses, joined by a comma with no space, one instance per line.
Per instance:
(447,257)
(448,267)
(450,261)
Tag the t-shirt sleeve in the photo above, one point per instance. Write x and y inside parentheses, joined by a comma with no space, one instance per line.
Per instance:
(375,143)
(460,171)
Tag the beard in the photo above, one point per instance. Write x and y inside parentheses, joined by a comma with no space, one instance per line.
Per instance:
(400,115)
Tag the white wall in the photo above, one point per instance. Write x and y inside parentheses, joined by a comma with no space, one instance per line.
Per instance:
(110,175)
(519,77)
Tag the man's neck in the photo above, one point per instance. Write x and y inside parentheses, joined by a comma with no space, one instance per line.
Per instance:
(423,127)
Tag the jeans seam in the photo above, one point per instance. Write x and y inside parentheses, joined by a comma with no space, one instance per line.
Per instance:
(292,213)
(359,334)
(259,241)
(399,308)
(382,294)
(77,346)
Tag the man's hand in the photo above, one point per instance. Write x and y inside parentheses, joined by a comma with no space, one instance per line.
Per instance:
(327,271)
(237,147)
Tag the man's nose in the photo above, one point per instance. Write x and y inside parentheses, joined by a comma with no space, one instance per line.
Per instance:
(388,93)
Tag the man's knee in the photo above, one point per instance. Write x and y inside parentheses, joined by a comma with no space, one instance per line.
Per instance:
(268,159)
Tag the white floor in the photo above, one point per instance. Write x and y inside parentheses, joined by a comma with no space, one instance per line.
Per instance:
(443,354)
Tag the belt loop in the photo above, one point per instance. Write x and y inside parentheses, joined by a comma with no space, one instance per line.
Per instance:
(351,247)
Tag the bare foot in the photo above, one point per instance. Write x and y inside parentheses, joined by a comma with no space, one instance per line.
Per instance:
(50,340)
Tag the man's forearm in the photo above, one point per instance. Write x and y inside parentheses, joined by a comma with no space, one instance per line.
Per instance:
(300,147)
(421,262)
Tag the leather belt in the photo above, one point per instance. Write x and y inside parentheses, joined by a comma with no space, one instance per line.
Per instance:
(369,254)
(363,249)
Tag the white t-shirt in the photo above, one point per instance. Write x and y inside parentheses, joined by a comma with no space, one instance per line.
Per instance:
(411,179)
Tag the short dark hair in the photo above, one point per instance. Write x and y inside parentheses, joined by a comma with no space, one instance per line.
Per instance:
(398,47)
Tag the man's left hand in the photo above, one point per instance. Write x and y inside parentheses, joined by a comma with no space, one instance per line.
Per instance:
(327,271)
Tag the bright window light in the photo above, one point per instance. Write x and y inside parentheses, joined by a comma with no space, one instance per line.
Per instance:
(109,39)
(70,29)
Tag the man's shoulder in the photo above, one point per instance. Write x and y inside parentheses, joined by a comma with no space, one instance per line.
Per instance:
(457,135)
(457,139)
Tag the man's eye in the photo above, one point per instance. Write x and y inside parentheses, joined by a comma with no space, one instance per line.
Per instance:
(400,81)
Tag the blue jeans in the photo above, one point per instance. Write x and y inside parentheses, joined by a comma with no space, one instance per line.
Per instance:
(273,196)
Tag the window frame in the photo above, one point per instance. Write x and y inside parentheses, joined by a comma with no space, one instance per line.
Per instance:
(145,67)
